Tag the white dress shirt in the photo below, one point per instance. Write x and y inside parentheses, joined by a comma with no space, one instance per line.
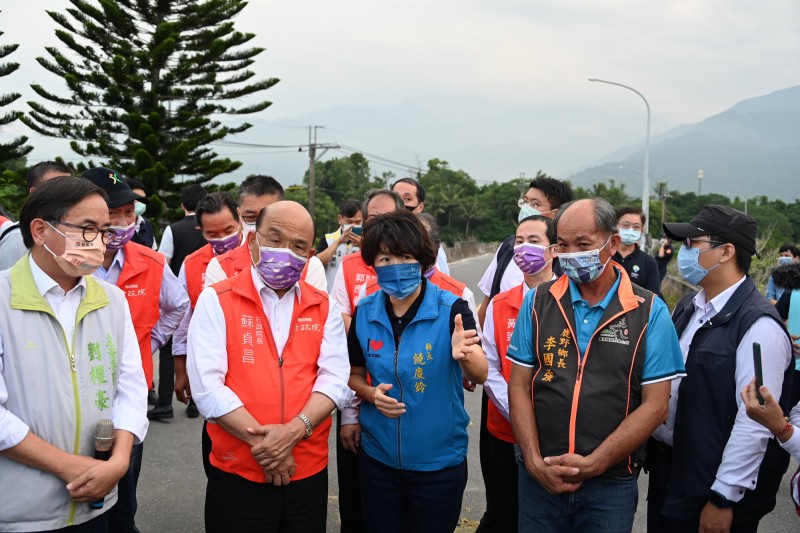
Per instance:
(747,443)
(793,444)
(167,245)
(207,361)
(129,405)
(172,299)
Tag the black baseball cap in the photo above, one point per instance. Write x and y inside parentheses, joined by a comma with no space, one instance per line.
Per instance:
(118,191)
(727,223)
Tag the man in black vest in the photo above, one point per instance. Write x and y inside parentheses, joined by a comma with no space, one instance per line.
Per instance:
(596,354)
(711,467)
(544,197)
(180,239)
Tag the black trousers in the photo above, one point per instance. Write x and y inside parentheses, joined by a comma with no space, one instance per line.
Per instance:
(658,465)
(166,375)
(489,518)
(349,487)
(237,504)
(123,515)
(205,448)
(410,501)
(505,480)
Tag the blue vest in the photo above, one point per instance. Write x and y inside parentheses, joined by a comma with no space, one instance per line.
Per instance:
(432,433)
(707,409)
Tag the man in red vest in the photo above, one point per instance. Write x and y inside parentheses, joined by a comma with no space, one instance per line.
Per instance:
(267,363)
(157,302)
(534,256)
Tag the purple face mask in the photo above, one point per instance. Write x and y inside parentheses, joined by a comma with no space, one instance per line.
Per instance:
(124,234)
(224,244)
(429,273)
(279,268)
(530,258)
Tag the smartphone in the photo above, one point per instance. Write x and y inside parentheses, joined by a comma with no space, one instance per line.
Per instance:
(759,375)
(357,230)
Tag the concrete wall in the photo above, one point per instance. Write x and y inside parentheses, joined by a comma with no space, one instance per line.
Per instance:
(465,249)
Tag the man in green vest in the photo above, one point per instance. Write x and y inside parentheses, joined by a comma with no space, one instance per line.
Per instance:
(69,358)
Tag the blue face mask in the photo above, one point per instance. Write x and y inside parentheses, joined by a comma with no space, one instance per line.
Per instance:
(400,280)
(583,267)
(629,236)
(527,211)
(785,260)
(689,264)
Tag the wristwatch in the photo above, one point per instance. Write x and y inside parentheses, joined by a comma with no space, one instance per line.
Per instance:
(720,501)
(307,422)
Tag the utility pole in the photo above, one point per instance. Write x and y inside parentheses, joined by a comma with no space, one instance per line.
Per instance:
(700,175)
(312,159)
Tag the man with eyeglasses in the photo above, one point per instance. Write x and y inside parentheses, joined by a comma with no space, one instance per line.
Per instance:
(265,347)
(157,301)
(69,358)
(413,194)
(255,193)
(711,467)
(641,267)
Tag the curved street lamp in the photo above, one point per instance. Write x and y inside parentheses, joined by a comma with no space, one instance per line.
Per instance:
(646,173)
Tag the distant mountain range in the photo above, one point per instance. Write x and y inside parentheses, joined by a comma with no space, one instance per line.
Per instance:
(752,149)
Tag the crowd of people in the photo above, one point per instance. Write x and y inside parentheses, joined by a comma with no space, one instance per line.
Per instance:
(270,332)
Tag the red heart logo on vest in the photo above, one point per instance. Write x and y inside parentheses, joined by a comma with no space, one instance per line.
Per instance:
(375,345)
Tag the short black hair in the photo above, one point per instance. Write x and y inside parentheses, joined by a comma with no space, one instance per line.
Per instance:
(622,211)
(133,183)
(550,233)
(556,191)
(743,258)
(191,195)
(53,200)
(34,176)
(789,247)
(415,183)
(258,185)
(214,203)
(397,233)
(398,202)
(349,208)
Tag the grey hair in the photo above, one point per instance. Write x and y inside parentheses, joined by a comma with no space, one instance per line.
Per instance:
(605,216)
(429,221)
(378,192)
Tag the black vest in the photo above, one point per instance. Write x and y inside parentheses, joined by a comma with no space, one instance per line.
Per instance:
(146,234)
(187,239)
(577,409)
(707,409)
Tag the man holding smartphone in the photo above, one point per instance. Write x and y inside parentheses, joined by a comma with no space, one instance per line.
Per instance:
(711,467)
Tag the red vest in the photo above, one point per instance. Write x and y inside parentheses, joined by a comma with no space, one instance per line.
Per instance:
(194,268)
(273,387)
(3,220)
(505,308)
(140,280)
(439,278)
(356,274)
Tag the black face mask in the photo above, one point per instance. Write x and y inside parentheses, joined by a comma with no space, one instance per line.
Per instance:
(411,208)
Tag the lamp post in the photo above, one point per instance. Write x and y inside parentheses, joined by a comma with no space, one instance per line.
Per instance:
(646,173)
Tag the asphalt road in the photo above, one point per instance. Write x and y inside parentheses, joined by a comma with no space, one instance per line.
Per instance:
(172,484)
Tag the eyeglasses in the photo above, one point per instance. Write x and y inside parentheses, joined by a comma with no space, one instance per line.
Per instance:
(90,231)
(274,241)
(690,242)
(533,203)
(636,227)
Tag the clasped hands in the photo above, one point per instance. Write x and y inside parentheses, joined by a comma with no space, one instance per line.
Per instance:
(274,450)
(562,473)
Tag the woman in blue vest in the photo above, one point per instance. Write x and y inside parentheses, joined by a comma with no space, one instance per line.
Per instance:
(415,341)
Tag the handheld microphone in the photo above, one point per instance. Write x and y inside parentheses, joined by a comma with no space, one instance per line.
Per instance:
(103,440)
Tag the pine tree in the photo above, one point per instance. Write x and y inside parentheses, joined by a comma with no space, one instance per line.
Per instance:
(16,148)
(148,81)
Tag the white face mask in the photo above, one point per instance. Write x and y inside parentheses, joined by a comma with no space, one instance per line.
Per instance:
(248,227)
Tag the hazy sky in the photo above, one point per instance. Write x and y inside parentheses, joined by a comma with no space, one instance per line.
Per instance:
(470,63)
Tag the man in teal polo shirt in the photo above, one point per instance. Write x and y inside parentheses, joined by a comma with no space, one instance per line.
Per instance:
(597,354)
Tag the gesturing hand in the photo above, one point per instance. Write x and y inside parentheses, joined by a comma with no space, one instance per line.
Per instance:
(385,403)
(463,341)
(768,415)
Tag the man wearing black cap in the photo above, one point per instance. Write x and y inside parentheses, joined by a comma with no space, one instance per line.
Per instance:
(156,298)
(712,468)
